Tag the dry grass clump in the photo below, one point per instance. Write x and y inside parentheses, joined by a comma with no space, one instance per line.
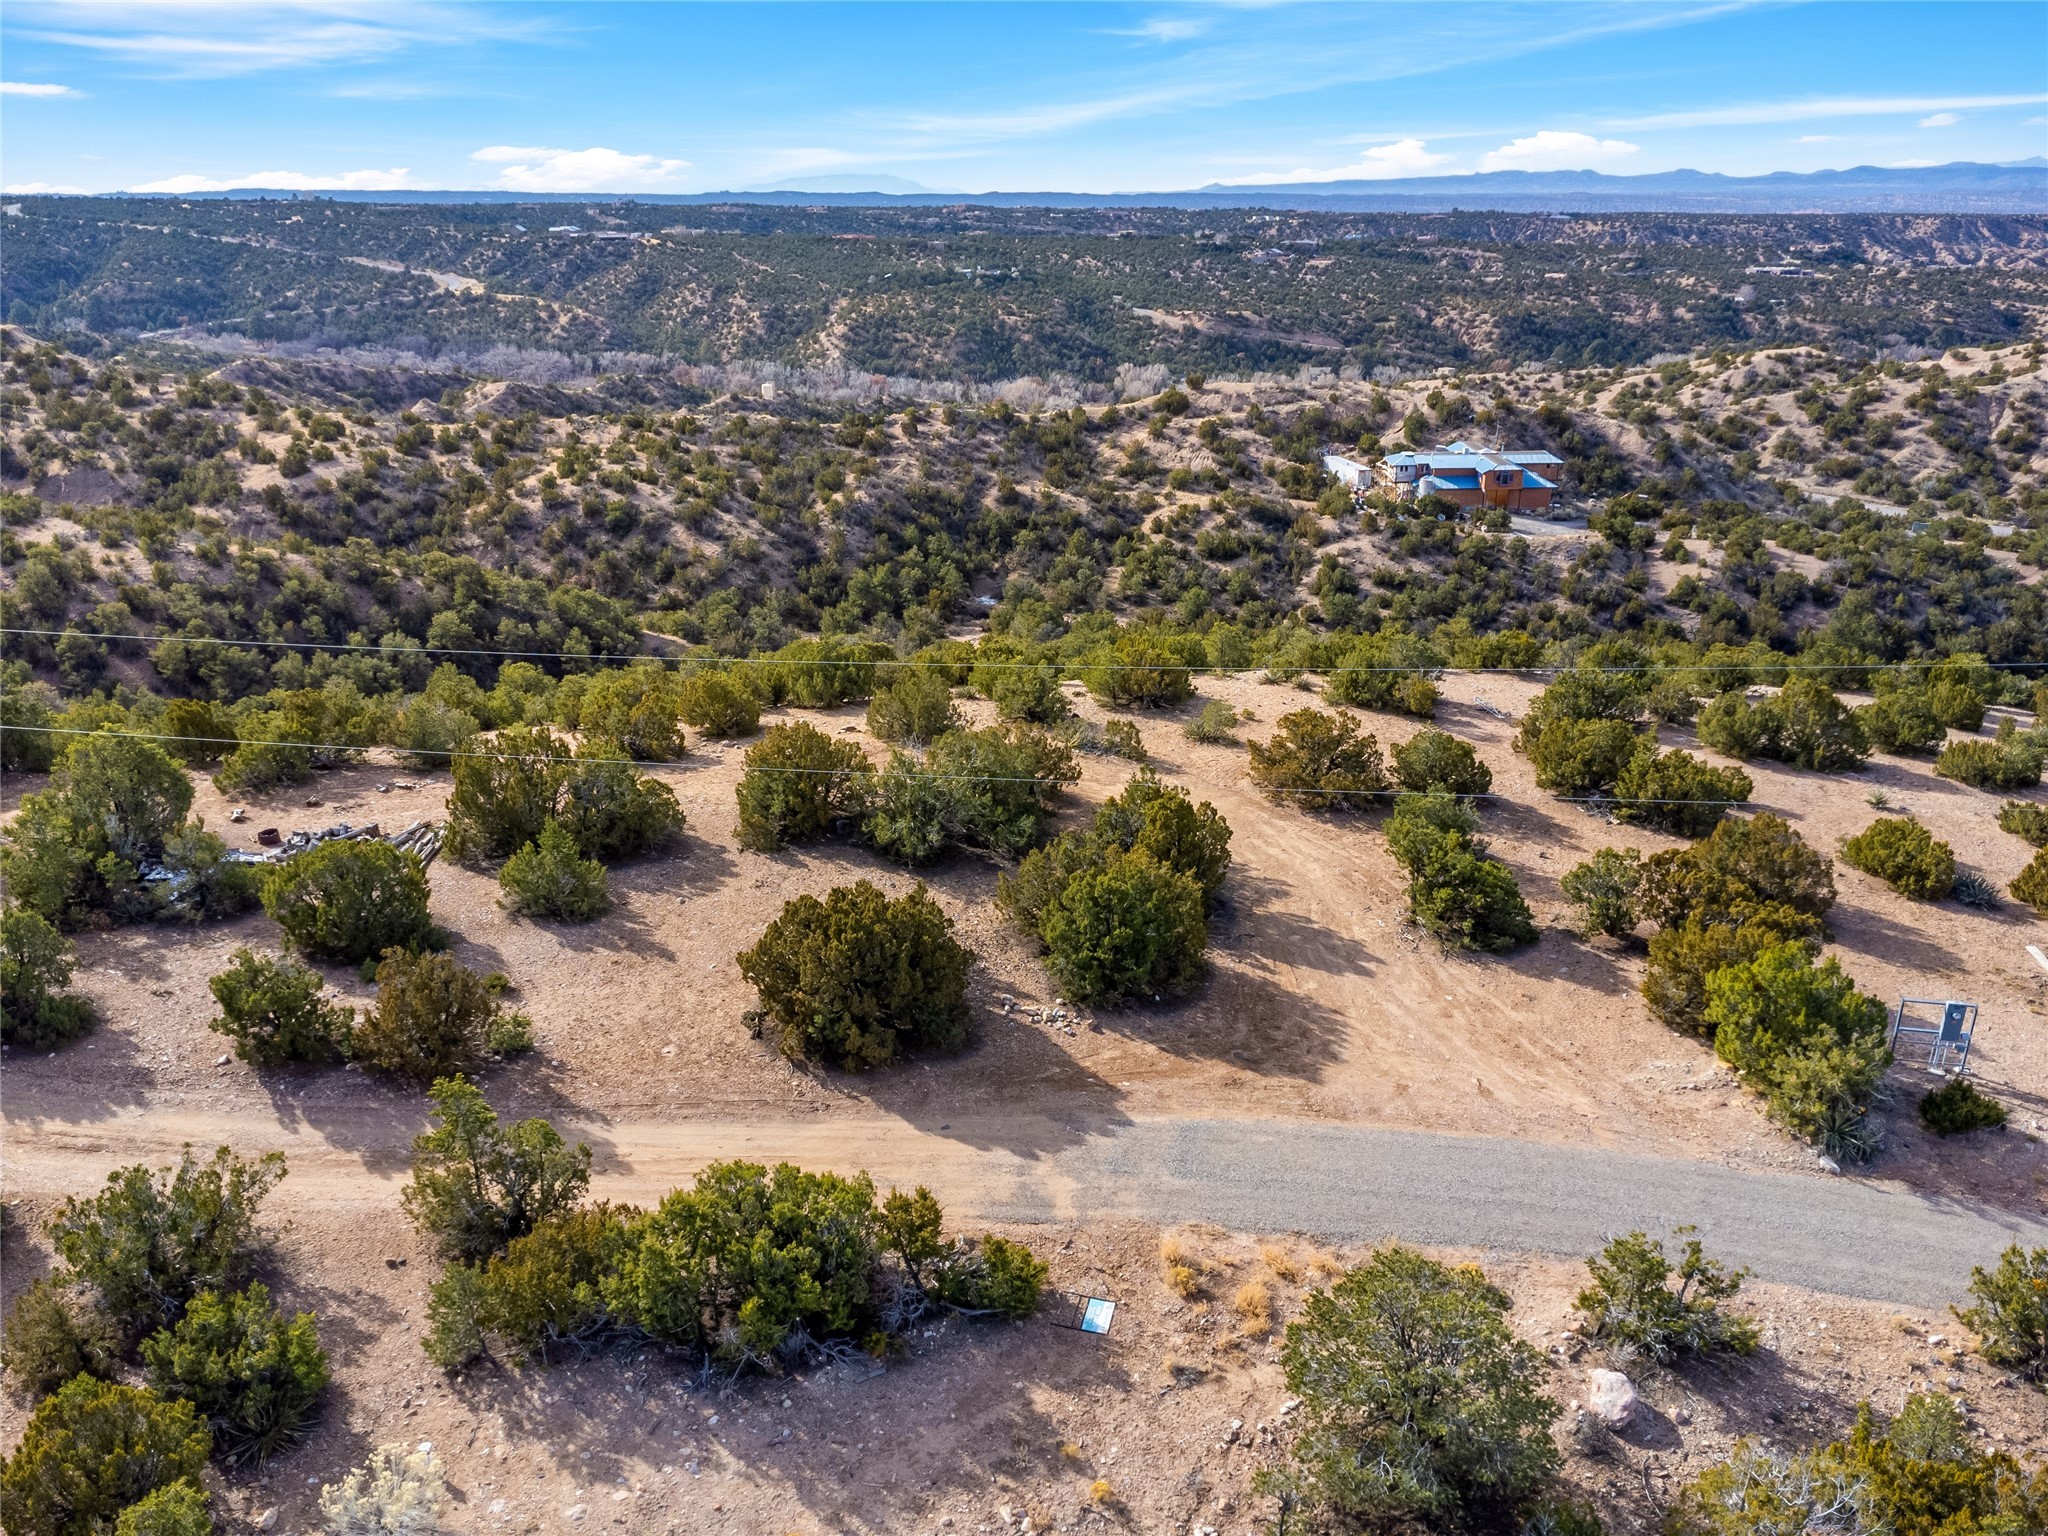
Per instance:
(1183,1267)
(1102,1493)
(1280,1261)
(1254,1303)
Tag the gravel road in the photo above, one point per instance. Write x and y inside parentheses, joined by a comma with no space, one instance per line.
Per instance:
(1843,1235)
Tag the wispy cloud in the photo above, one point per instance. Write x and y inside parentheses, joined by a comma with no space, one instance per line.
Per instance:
(1403,157)
(43,188)
(285,181)
(527,169)
(28,88)
(1812,108)
(1940,120)
(210,38)
(1556,150)
(1815,138)
(1165,29)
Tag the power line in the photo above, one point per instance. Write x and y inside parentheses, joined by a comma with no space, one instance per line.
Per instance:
(1276,664)
(840,773)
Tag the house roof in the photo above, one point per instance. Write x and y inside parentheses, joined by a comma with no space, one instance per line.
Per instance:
(1451,482)
(1461,457)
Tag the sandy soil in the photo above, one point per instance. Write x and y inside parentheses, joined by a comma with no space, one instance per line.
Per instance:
(982,1427)
(1324,1005)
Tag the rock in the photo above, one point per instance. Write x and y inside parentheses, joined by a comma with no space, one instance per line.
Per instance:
(267,1521)
(1612,1397)
(1828,1164)
(575,1512)
(220,1061)
(1937,1339)
(1681,1415)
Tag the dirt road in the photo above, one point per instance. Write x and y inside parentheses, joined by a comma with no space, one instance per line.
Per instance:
(1845,1236)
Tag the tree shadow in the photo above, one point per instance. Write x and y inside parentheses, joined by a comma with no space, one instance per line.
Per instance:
(1865,931)
(1252,923)
(1069,1102)
(697,867)
(1243,1018)
(94,1077)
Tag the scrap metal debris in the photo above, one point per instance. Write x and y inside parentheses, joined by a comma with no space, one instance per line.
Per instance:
(422,838)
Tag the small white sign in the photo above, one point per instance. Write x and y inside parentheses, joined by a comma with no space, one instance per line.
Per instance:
(1096,1315)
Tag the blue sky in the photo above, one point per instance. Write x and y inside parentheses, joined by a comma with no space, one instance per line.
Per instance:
(102,95)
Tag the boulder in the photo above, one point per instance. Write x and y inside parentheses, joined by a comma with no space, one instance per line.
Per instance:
(1612,1397)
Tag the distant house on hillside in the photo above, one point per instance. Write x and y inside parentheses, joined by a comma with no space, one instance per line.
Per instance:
(1519,479)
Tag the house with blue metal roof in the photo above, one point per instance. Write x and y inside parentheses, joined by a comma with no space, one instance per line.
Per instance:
(1515,479)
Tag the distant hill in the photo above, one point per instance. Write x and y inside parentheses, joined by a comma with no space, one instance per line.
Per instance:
(1961,187)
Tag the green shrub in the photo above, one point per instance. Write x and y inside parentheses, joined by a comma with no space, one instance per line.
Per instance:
(1420,1409)
(1684,954)
(92,1449)
(208,883)
(1747,862)
(273,1011)
(27,744)
(350,900)
(1677,793)
(78,846)
(1213,726)
(917,706)
(2024,819)
(36,1012)
(176,1509)
(1633,1303)
(1162,820)
(1458,894)
(430,734)
(430,1020)
(1436,760)
(856,978)
(749,1263)
(1127,927)
(1926,1473)
(203,732)
(1391,670)
(253,1373)
(1902,722)
(1580,758)
(1021,689)
(477,1185)
(2010,1313)
(52,1335)
(501,801)
(611,811)
(1905,856)
(638,709)
(1803,724)
(1584,693)
(1957,1108)
(1804,1037)
(1956,705)
(1138,668)
(1001,1278)
(798,784)
(147,1245)
(548,878)
(2030,885)
(1120,738)
(1006,780)
(540,1293)
(718,705)
(824,674)
(1317,761)
(1604,891)
(2011,760)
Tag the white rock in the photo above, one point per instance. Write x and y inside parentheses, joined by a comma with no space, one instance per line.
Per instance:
(267,1521)
(1611,1396)
(1828,1164)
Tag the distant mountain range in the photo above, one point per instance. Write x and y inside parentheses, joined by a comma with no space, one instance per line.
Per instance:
(2019,187)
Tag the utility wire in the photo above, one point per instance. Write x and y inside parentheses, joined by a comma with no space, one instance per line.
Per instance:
(1276,664)
(837,773)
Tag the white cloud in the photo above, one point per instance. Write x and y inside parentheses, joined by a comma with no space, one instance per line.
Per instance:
(1815,138)
(1940,120)
(211,38)
(42,188)
(284,181)
(1813,107)
(1165,29)
(579,170)
(1556,150)
(26,88)
(1403,157)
